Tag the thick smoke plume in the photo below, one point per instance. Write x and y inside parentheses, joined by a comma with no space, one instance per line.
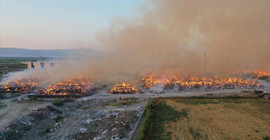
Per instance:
(173,35)
(176,33)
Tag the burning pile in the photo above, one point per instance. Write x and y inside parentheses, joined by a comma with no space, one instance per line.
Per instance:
(76,87)
(172,81)
(124,89)
(258,74)
(21,85)
(150,80)
(79,86)
(261,74)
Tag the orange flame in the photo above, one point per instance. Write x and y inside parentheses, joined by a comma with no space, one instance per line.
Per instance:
(124,88)
(167,81)
(75,86)
(21,85)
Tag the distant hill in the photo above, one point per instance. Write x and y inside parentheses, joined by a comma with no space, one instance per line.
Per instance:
(16,52)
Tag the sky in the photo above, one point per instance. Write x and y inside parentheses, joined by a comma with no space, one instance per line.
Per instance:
(59,24)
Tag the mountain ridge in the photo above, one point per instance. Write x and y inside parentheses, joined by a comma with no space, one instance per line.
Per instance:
(22,52)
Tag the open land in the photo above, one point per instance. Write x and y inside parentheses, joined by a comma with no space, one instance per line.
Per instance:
(13,64)
(192,114)
(194,118)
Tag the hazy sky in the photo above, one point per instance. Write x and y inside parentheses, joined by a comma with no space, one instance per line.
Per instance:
(58,24)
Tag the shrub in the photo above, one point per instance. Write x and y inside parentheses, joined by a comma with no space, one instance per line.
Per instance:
(45,132)
(58,102)
(129,101)
(32,98)
(146,122)
(2,96)
(195,134)
(266,138)
(126,101)
(58,119)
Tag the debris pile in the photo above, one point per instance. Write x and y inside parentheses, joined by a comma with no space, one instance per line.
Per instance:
(19,127)
(79,86)
(75,87)
(181,83)
(21,85)
(88,119)
(258,74)
(124,89)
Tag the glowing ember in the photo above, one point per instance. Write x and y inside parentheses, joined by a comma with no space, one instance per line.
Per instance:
(169,81)
(261,74)
(21,85)
(124,89)
(78,86)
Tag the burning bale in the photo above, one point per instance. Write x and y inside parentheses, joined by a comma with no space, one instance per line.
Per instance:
(79,86)
(21,85)
(82,86)
(216,82)
(71,88)
(261,74)
(150,80)
(124,89)
(258,74)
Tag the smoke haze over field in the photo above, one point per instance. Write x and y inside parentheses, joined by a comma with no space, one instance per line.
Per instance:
(174,34)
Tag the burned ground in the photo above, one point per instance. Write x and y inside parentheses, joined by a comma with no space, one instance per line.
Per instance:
(75,120)
(99,116)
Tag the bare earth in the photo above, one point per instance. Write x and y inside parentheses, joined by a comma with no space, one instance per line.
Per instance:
(13,110)
(241,121)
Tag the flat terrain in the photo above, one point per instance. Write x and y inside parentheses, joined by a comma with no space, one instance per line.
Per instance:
(104,115)
(84,118)
(12,110)
(210,119)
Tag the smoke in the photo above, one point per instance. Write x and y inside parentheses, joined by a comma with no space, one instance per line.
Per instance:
(172,36)
(176,33)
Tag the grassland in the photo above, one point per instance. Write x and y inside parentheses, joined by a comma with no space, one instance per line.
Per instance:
(179,118)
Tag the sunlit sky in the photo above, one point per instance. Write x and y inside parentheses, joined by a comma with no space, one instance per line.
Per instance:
(59,24)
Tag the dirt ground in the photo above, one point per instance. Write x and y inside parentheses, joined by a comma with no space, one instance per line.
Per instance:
(84,118)
(92,117)
(246,119)
(12,110)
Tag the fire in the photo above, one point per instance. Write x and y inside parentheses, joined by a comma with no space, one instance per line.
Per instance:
(124,89)
(151,80)
(261,74)
(82,85)
(216,82)
(21,85)
(77,86)
(257,73)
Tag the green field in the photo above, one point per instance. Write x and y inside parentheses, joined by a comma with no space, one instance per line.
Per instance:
(181,118)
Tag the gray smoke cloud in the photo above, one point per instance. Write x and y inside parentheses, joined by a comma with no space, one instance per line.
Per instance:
(173,35)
